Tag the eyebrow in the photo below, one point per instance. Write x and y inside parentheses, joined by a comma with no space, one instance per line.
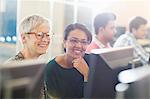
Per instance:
(77,38)
(43,32)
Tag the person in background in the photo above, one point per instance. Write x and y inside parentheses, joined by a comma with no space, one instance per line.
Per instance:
(104,25)
(35,36)
(137,30)
(66,74)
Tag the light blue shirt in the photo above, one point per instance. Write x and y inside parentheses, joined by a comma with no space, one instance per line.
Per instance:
(128,39)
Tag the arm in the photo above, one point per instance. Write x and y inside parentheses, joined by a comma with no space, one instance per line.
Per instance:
(82,67)
(140,52)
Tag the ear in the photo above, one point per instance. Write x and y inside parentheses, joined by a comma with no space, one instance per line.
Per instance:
(133,30)
(23,38)
(101,30)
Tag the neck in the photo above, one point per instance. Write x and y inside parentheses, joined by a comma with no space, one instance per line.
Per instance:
(28,54)
(135,35)
(102,39)
(68,60)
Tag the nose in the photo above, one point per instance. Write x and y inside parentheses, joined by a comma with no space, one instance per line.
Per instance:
(79,45)
(45,38)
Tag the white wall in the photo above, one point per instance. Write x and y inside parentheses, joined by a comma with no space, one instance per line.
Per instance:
(125,9)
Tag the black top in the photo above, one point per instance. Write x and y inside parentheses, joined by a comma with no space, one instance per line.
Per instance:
(62,82)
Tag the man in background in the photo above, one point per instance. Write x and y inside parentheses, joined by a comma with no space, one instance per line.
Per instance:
(104,25)
(137,30)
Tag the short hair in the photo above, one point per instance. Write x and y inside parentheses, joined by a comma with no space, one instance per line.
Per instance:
(32,22)
(79,26)
(136,22)
(101,20)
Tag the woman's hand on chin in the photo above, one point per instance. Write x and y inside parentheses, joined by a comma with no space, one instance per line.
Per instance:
(81,65)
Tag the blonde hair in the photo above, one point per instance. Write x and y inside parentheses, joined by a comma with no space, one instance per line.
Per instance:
(32,22)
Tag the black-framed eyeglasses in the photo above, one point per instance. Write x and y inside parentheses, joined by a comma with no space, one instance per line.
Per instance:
(40,35)
(76,41)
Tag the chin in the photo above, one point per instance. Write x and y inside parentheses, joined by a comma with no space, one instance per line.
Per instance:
(77,56)
(41,52)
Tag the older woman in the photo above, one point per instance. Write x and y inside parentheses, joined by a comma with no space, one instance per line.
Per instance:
(35,36)
(66,73)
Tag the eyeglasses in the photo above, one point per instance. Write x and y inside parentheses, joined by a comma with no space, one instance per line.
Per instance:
(40,35)
(76,41)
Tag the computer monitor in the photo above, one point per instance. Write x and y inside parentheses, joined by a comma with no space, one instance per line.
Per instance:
(116,57)
(22,79)
(103,75)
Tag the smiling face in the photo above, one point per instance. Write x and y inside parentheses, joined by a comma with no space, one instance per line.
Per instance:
(35,45)
(76,43)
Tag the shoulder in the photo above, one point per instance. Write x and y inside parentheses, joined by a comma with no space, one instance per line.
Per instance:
(91,46)
(122,37)
(10,60)
(126,37)
(123,40)
(51,64)
(54,64)
(56,60)
(51,67)
(17,57)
